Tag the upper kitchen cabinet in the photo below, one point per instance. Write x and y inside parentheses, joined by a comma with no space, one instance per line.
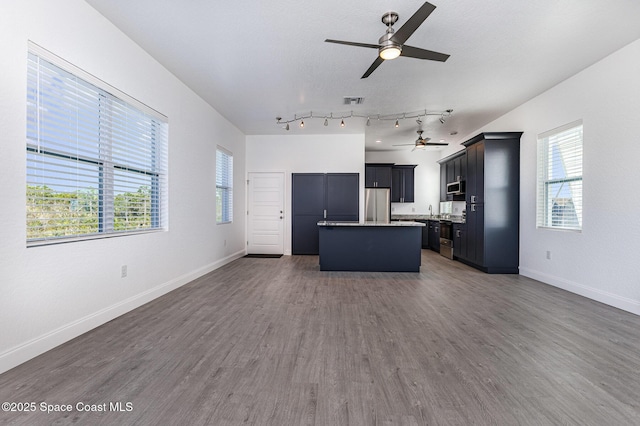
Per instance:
(377,175)
(402,183)
(453,169)
(493,202)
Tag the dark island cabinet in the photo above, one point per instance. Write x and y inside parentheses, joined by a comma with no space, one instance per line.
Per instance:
(377,175)
(491,235)
(320,196)
(402,183)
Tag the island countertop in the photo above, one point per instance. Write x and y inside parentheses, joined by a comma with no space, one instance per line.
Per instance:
(366,224)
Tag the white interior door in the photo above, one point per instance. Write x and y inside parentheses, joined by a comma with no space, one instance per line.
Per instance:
(265,218)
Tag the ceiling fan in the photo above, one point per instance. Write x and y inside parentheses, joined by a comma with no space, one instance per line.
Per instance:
(391,44)
(421,142)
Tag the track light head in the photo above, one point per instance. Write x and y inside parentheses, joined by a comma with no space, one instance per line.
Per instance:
(287,128)
(441,120)
(397,124)
(342,123)
(326,122)
(302,124)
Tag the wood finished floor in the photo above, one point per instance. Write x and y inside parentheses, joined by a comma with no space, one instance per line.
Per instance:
(277,342)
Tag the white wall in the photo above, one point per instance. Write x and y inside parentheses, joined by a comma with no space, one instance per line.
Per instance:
(51,294)
(427,178)
(601,262)
(306,154)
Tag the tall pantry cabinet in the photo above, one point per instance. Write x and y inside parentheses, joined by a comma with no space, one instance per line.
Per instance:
(492,195)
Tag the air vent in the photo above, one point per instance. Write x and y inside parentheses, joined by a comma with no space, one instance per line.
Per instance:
(353,100)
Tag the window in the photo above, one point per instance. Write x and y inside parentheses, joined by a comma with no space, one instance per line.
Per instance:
(560,178)
(96,158)
(224,186)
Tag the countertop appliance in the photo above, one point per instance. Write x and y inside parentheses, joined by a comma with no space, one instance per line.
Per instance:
(455,188)
(446,238)
(377,205)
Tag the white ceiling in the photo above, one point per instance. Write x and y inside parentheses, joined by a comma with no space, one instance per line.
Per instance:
(256,60)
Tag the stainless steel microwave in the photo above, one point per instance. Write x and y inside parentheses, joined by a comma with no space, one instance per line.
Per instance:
(455,188)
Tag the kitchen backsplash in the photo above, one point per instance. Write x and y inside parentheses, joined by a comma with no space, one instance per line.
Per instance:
(412,208)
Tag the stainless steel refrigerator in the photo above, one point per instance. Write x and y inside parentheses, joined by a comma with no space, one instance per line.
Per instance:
(377,204)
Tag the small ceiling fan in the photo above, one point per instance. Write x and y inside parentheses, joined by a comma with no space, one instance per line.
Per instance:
(421,142)
(391,44)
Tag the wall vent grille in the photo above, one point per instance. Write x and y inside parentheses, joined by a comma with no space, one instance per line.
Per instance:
(353,100)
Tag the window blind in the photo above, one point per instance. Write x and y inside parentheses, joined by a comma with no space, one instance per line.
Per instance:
(224,186)
(96,163)
(559,203)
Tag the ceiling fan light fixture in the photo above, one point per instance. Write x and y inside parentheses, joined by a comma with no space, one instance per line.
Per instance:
(390,52)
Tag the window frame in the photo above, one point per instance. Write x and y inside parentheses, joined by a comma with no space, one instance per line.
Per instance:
(49,149)
(545,205)
(224,186)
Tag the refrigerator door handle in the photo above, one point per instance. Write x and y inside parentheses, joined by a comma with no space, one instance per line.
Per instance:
(325,213)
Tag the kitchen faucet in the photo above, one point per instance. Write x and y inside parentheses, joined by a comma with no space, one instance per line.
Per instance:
(430,210)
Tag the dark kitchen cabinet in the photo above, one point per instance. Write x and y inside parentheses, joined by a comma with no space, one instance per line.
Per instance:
(452,169)
(474,189)
(443,182)
(459,241)
(491,237)
(425,233)
(434,235)
(402,183)
(377,175)
(320,196)
(475,234)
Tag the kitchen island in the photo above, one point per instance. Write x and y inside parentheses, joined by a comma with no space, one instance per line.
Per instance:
(370,246)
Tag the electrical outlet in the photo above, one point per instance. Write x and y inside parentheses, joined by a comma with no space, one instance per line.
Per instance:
(123,271)
(548,255)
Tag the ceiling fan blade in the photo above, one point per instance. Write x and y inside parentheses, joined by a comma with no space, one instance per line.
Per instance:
(405,144)
(413,23)
(373,67)
(436,144)
(351,43)
(416,52)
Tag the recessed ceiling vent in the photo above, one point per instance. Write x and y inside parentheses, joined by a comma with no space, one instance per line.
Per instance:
(353,100)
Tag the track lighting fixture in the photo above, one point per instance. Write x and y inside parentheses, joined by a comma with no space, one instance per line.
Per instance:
(418,116)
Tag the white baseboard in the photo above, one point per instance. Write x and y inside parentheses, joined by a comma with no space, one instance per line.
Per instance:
(626,304)
(41,344)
